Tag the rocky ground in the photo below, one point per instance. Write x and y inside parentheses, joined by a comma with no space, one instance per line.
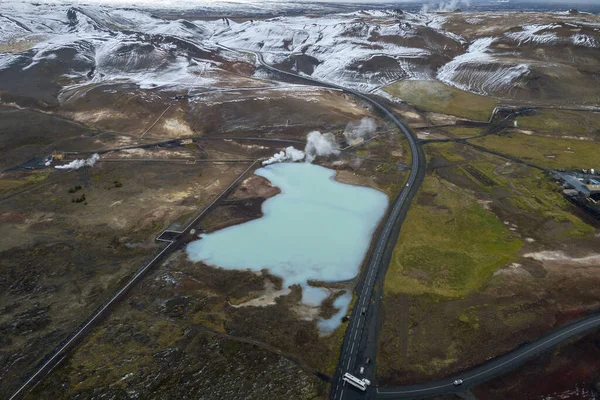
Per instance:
(490,252)
(569,372)
(196,312)
(131,195)
(490,256)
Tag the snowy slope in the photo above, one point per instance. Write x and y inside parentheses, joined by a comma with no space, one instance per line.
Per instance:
(479,71)
(96,44)
(91,45)
(345,44)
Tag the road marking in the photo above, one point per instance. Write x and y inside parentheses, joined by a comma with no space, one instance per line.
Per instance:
(403,194)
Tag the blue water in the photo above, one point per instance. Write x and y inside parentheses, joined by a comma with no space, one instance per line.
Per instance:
(341,303)
(316,228)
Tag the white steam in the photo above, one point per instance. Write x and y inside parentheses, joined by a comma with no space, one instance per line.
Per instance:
(320,144)
(289,154)
(362,129)
(445,6)
(76,164)
(317,144)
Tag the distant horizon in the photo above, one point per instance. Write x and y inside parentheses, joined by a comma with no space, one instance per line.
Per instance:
(249,8)
(192,3)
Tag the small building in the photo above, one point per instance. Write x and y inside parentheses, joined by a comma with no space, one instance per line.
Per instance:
(570,192)
(574,183)
(594,188)
(357,141)
(58,156)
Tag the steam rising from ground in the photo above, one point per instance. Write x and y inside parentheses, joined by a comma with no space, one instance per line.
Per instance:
(289,154)
(320,144)
(317,144)
(445,6)
(362,129)
(76,164)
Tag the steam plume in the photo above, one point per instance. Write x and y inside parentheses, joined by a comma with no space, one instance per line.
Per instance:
(317,144)
(76,164)
(362,129)
(289,154)
(320,144)
(445,6)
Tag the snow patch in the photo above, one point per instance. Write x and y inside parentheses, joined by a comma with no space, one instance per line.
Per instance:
(561,257)
(585,41)
(477,70)
(534,34)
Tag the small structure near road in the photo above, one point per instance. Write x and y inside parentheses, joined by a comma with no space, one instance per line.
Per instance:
(582,188)
(593,188)
(357,141)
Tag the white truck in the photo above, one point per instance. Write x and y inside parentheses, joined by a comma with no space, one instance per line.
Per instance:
(354,381)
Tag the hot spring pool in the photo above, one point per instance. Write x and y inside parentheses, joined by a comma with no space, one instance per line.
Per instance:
(315,229)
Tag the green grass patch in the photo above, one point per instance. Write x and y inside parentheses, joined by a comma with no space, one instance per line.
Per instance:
(469,318)
(536,194)
(533,193)
(7,185)
(450,247)
(441,98)
(564,123)
(464,131)
(448,151)
(547,152)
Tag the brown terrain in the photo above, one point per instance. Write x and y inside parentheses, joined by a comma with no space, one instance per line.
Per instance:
(491,255)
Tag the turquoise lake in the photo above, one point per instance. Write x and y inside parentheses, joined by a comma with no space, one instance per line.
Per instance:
(315,229)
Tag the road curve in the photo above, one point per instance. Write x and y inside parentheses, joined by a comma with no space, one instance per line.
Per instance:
(495,367)
(355,339)
(477,375)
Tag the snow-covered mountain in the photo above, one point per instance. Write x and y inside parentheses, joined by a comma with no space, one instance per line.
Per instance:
(48,49)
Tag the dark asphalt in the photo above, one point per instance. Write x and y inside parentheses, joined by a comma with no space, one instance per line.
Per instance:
(176,242)
(360,340)
(495,367)
(361,336)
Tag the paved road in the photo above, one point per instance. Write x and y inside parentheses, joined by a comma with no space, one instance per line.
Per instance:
(492,368)
(176,143)
(81,331)
(360,337)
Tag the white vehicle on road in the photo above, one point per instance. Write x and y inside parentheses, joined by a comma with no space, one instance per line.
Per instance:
(354,381)
(458,382)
